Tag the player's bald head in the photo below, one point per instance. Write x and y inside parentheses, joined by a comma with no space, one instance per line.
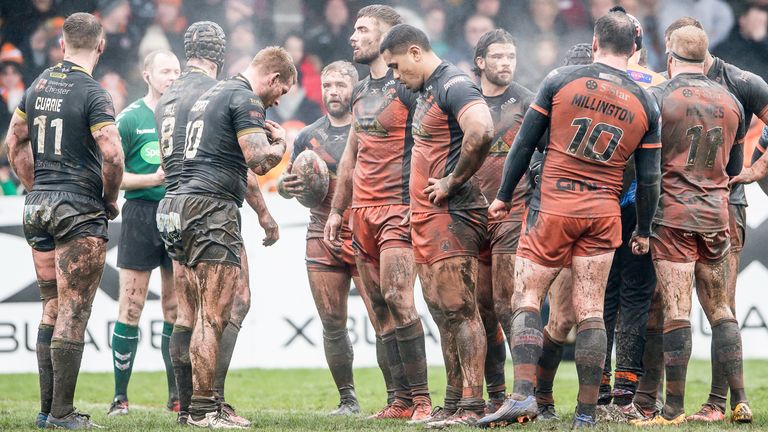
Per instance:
(689,44)
(615,33)
(82,31)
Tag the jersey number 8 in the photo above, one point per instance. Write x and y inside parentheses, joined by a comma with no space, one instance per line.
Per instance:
(583,124)
(166,135)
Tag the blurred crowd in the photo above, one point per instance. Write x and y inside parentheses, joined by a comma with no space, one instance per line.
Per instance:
(316,32)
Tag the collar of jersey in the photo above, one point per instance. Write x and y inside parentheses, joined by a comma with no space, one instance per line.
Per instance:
(242,78)
(74,67)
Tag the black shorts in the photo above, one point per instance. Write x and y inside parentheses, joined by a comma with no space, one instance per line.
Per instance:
(168,224)
(140,247)
(51,218)
(210,230)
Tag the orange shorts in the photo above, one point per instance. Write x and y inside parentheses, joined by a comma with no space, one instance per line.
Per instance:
(552,240)
(681,246)
(437,236)
(375,229)
(503,238)
(737,225)
(322,258)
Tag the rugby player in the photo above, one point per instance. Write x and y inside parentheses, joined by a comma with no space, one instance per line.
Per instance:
(65,148)
(598,117)
(702,145)
(141,249)
(495,63)
(227,136)
(330,270)
(752,92)
(452,132)
(373,177)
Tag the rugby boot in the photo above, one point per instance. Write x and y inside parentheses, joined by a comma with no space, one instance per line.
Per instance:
(708,413)
(461,417)
(173,405)
(439,414)
(511,411)
(659,420)
(232,416)
(40,420)
(546,412)
(73,420)
(396,410)
(422,410)
(493,405)
(741,413)
(635,412)
(182,418)
(581,421)
(215,420)
(347,407)
(119,406)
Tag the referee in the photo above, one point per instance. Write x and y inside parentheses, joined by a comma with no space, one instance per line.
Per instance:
(141,249)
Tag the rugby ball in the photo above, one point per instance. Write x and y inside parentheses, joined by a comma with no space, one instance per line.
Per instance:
(313,172)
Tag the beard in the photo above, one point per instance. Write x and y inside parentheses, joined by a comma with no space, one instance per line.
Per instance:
(497,79)
(338,110)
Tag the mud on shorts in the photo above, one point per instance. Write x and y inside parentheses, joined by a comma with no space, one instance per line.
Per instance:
(503,238)
(141,247)
(320,257)
(552,241)
(379,228)
(210,230)
(737,225)
(51,218)
(168,221)
(437,236)
(683,246)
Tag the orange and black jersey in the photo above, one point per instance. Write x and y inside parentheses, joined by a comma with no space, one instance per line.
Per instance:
(438,138)
(214,164)
(752,92)
(328,142)
(507,111)
(598,117)
(381,110)
(171,115)
(702,125)
(62,108)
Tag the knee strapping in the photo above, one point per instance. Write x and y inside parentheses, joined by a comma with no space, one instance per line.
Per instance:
(48,289)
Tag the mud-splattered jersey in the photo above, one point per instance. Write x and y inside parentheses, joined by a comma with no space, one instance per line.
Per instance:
(63,107)
(381,118)
(598,117)
(171,115)
(328,142)
(752,92)
(437,136)
(507,110)
(214,164)
(701,121)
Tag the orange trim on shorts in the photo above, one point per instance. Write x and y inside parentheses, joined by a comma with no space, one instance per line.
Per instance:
(540,109)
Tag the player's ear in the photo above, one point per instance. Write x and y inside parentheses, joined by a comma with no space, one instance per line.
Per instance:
(274,79)
(100,47)
(480,63)
(595,47)
(62,45)
(415,53)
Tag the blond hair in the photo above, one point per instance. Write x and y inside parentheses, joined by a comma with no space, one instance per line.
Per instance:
(275,59)
(689,42)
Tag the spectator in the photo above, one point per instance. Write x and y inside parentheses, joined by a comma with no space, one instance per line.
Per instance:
(114,84)
(169,19)
(329,41)
(121,51)
(307,67)
(205,10)
(475,27)
(11,85)
(241,41)
(747,45)
(494,10)
(23,16)
(715,15)
(542,58)
(434,22)
(35,54)
(295,105)
(598,8)
(53,48)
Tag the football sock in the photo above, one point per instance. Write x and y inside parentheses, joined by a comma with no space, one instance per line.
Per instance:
(402,392)
(125,340)
(495,357)
(549,361)
(677,353)
(66,355)
(653,370)
(726,338)
(339,355)
(410,343)
(526,349)
(226,349)
(164,349)
(381,359)
(591,342)
(45,367)
(182,367)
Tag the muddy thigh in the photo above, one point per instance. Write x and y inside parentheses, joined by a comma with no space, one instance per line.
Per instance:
(398,274)
(675,282)
(370,289)
(712,290)
(590,276)
(562,316)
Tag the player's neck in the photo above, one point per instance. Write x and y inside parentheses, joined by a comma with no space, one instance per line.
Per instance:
(708,62)
(206,66)
(614,61)
(687,69)
(490,89)
(431,63)
(150,100)
(84,60)
(379,68)
(340,121)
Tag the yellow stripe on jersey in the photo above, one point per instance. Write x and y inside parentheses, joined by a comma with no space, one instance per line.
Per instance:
(98,126)
(21,114)
(250,131)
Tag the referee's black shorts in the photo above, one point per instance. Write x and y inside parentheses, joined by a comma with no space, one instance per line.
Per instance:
(141,247)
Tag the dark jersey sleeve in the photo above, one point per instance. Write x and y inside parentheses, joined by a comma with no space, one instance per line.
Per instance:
(652,137)
(460,95)
(22,107)
(754,91)
(100,110)
(542,102)
(300,144)
(247,112)
(407,97)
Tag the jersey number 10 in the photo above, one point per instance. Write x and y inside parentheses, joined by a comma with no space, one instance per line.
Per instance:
(583,123)
(57,125)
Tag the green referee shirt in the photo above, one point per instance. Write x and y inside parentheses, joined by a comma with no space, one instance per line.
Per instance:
(136,124)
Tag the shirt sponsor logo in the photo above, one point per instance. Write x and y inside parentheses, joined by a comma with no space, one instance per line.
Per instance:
(145,131)
(638,76)
(150,153)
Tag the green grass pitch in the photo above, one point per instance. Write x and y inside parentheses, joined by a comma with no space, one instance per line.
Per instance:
(297,400)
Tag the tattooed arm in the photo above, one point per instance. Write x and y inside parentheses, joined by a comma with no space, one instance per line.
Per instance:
(256,200)
(108,140)
(261,153)
(20,152)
